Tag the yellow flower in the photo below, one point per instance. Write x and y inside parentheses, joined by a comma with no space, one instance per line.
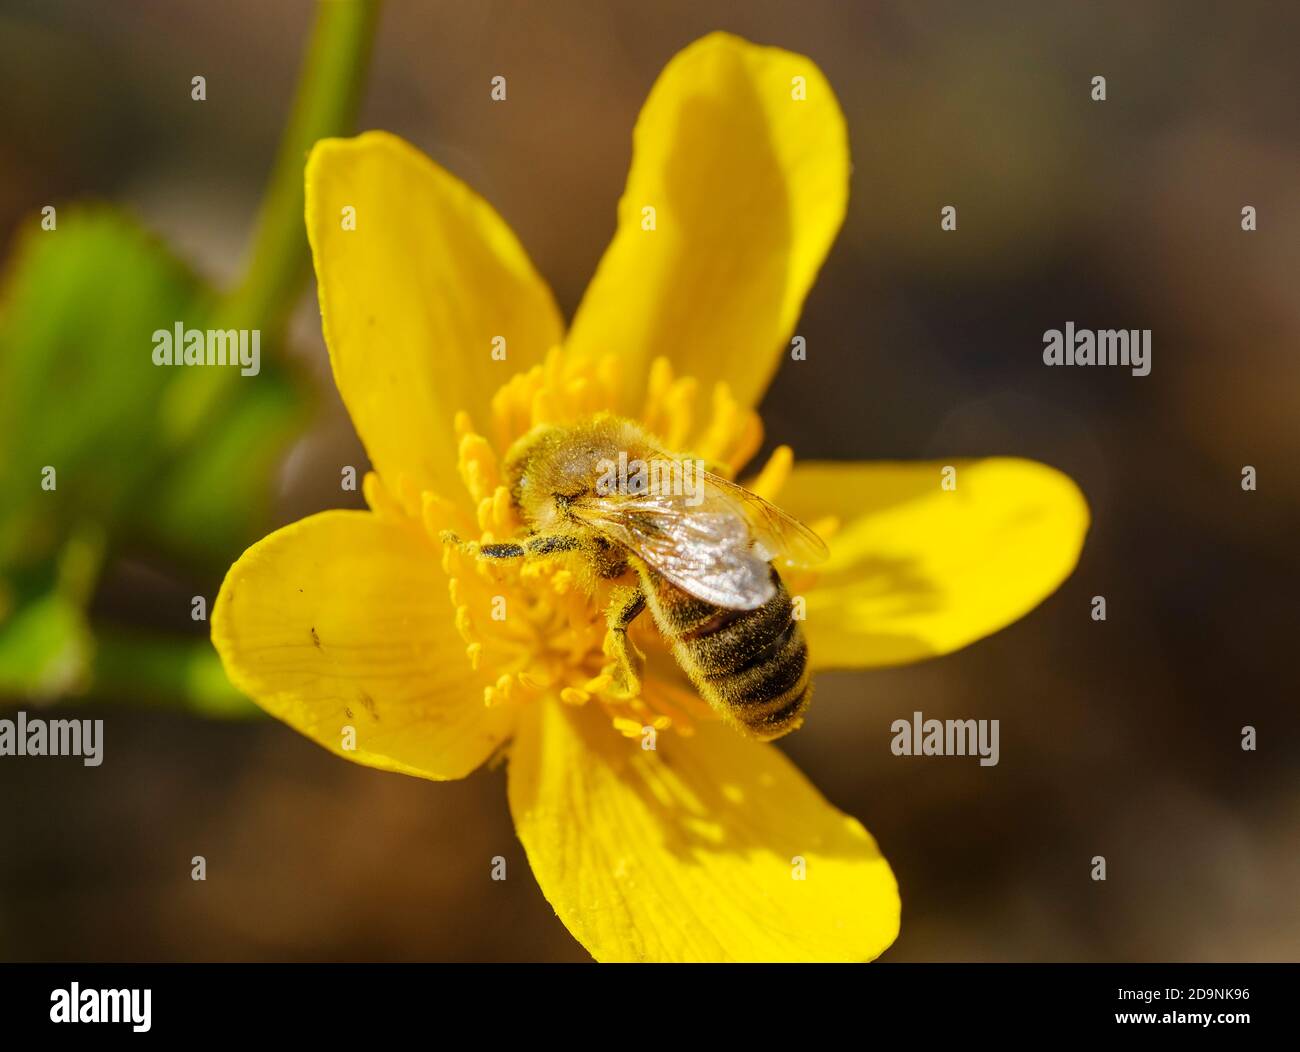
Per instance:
(367,634)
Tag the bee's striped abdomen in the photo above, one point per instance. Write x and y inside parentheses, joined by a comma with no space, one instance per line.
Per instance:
(750,664)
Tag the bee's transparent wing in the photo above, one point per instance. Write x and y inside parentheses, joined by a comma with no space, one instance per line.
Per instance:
(714,544)
(704,550)
(780,535)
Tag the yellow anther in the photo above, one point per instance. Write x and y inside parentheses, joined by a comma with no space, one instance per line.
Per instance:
(578,389)
(504,519)
(774,474)
(609,372)
(441,515)
(379,500)
(680,404)
(543,409)
(827,526)
(478,466)
(486,514)
(407,493)
(723,426)
(465,626)
(536,679)
(627,728)
(657,386)
(746,442)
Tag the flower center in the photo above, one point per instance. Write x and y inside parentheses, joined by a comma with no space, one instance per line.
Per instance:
(532,628)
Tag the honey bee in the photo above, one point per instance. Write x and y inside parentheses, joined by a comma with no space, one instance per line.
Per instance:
(694,548)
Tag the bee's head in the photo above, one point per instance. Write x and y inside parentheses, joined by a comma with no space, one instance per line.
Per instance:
(552,466)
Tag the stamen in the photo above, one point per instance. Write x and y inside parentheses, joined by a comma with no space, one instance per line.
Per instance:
(681,410)
(379,500)
(767,484)
(478,466)
(657,385)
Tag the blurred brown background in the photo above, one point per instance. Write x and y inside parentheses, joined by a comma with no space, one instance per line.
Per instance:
(1120,739)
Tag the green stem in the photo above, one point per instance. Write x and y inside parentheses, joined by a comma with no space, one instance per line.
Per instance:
(329,93)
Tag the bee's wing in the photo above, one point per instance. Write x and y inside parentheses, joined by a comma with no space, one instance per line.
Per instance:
(705,548)
(780,535)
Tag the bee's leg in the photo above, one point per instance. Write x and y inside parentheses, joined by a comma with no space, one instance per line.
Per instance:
(535,547)
(626,602)
(551,544)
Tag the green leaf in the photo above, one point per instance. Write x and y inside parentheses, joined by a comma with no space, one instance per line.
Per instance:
(45,648)
(210,505)
(45,642)
(101,449)
(95,438)
(79,393)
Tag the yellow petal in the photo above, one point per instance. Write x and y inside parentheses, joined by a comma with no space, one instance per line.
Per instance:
(413,298)
(748,185)
(691,852)
(917,570)
(342,620)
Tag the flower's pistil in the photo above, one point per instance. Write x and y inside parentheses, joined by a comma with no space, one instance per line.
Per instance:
(533,628)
